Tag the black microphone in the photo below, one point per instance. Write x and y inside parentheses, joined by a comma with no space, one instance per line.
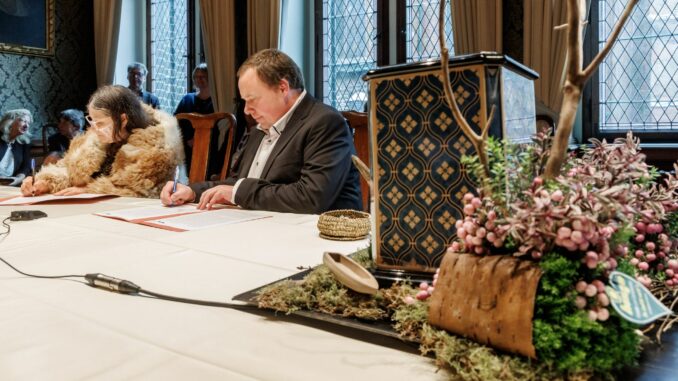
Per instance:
(113,284)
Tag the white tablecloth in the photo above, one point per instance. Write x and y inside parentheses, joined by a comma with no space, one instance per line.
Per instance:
(64,330)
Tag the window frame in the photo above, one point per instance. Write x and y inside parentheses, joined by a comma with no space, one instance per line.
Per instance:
(190,44)
(382,41)
(656,142)
(384,37)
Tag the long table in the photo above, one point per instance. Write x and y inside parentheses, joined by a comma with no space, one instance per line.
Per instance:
(64,330)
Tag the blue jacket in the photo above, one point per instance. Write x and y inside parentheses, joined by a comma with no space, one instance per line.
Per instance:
(150,99)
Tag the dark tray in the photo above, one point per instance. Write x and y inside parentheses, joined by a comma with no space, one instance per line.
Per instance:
(655,363)
(378,332)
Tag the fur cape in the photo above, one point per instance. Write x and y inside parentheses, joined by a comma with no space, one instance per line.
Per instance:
(141,167)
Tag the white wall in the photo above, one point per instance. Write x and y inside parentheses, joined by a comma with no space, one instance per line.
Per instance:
(132,39)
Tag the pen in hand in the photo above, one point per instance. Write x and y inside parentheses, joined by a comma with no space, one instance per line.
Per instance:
(174,185)
(33,176)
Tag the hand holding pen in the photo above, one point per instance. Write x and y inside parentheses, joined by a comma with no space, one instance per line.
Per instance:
(174,184)
(174,193)
(33,175)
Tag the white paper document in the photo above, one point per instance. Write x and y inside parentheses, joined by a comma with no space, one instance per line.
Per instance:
(50,197)
(211,219)
(151,212)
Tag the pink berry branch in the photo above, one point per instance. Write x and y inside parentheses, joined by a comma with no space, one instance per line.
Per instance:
(477,140)
(576,77)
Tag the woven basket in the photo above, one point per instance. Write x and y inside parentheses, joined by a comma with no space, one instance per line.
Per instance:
(344,225)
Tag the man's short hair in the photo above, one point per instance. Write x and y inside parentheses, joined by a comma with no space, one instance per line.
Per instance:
(75,117)
(201,67)
(272,66)
(137,65)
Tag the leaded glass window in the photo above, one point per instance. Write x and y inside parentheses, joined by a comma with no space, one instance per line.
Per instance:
(422,30)
(349,38)
(169,51)
(638,84)
(349,51)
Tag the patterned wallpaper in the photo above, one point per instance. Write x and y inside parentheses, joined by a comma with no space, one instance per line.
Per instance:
(47,85)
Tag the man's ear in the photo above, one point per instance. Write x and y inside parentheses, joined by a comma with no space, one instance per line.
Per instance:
(123,121)
(284,86)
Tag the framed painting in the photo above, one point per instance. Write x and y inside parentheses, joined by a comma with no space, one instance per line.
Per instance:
(27,27)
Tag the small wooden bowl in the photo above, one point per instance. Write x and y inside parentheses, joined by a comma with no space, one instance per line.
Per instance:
(344,225)
(349,273)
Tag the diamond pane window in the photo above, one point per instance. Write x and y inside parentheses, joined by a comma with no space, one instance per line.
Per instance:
(638,82)
(422,30)
(169,51)
(349,51)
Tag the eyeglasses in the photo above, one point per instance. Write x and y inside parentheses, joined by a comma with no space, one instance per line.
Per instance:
(94,123)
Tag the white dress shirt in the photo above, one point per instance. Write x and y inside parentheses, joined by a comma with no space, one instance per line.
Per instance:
(7,163)
(267,144)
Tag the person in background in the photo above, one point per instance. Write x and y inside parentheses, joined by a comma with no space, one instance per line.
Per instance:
(129,149)
(198,102)
(136,75)
(71,124)
(15,146)
(298,157)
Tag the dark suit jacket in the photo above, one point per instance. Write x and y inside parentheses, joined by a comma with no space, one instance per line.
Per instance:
(150,99)
(22,157)
(308,171)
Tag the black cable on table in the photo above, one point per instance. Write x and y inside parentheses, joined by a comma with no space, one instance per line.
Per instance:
(122,286)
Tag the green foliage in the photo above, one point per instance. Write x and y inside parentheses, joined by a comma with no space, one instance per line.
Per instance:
(672,224)
(565,337)
(622,236)
(511,169)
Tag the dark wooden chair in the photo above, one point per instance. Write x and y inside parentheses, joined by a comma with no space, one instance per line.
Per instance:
(40,145)
(361,139)
(203,124)
(48,130)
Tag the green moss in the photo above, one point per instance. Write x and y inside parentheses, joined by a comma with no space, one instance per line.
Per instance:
(569,345)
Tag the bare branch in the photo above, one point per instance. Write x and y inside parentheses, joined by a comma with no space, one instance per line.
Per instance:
(478,141)
(610,40)
(574,45)
(575,80)
(486,129)
(364,171)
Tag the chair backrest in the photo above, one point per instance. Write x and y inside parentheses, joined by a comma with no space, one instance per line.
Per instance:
(48,130)
(361,139)
(203,124)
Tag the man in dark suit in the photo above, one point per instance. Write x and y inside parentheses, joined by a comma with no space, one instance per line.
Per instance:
(136,75)
(297,159)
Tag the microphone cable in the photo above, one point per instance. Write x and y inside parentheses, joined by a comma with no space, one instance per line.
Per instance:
(123,286)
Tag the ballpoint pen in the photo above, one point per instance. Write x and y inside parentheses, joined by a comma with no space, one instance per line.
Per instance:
(176,179)
(33,174)
(174,185)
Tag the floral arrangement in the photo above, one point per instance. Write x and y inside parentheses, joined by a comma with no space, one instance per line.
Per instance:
(579,217)
(606,212)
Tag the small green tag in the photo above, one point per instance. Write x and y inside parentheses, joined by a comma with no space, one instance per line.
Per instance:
(633,301)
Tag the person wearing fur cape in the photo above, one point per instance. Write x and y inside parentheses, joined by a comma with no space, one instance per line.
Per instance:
(130,149)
